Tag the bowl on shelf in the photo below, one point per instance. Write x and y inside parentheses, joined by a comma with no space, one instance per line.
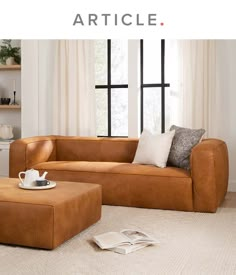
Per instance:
(5,100)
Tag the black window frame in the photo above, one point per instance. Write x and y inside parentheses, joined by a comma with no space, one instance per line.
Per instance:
(109,87)
(161,85)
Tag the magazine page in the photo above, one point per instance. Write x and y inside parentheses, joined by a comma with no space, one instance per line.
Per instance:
(110,239)
(138,236)
(124,241)
(126,249)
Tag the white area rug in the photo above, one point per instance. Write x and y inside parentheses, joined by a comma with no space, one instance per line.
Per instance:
(191,243)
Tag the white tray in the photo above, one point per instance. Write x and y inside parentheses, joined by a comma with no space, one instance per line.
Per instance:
(49,186)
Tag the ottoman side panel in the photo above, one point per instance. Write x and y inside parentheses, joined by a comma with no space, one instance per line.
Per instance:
(76,214)
(26,224)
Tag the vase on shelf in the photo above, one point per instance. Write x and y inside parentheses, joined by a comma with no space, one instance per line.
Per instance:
(6,131)
(10,61)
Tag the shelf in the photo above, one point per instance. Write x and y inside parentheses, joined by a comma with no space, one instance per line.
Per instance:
(10,67)
(10,106)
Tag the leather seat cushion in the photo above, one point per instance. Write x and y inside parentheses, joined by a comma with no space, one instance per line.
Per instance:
(128,184)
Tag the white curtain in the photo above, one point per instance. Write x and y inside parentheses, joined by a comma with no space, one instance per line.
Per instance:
(198,84)
(73,106)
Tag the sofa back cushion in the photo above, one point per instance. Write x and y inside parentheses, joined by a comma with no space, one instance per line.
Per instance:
(96,149)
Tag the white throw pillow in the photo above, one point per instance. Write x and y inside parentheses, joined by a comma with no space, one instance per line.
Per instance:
(154,148)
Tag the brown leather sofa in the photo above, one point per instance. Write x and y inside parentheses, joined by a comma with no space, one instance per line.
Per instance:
(108,161)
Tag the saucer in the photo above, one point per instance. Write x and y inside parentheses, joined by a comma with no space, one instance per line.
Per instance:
(52,184)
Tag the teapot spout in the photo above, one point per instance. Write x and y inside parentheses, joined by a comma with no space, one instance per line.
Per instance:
(43,176)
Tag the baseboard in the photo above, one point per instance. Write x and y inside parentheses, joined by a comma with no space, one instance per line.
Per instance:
(232,186)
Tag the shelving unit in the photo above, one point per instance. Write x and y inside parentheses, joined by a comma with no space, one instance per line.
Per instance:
(10,67)
(10,80)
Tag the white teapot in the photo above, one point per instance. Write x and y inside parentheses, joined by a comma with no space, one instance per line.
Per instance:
(6,131)
(30,177)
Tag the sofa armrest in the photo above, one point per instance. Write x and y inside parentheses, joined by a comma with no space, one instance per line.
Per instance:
(209,171)
(26,152)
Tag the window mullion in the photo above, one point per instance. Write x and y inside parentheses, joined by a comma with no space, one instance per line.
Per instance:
(162,85)
(141,85)
(109,85)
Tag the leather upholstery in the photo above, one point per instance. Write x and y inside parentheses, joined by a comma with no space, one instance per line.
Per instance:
(96,149)
(30,151)
(46,218)
(210,170)
(128,184)
(107,161)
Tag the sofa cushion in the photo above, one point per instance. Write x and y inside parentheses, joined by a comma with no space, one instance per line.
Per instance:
(183,142)
(128,184)
(154,148)
(95,149)
(112,168)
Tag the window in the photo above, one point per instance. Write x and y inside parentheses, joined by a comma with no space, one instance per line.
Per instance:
(111,76)
(153,86)
(152,91)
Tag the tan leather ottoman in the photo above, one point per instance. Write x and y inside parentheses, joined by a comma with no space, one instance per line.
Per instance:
(46,218)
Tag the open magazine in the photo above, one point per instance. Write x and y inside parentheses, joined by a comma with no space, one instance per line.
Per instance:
(125,241)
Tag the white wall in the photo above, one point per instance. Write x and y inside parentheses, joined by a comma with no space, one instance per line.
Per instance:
(226,55)
(45,49)
(30,87)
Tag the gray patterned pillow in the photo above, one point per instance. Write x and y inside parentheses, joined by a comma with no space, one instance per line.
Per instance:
(183,142)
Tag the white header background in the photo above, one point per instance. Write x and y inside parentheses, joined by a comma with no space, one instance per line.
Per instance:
(51,19)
